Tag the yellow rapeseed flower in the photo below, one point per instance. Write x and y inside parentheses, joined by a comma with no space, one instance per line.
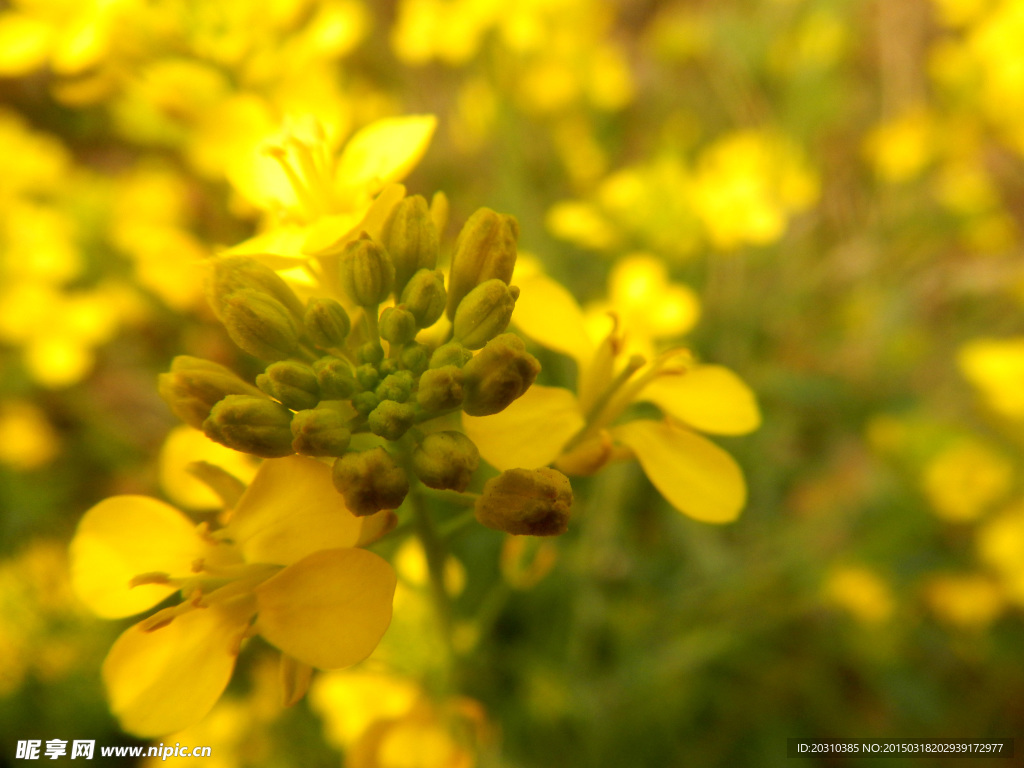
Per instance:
(580,431)
(286,566)
(996,368)
(319,202)
(963,480)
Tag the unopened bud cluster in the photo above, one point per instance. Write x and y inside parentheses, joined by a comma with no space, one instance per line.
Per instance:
(346,378)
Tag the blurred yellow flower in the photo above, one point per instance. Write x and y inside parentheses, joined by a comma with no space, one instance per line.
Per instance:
(747,184)
(579,432)
(901,148)
(1000,543)
(285,567)
(69,35)
(971,601)
(860,592)
(385,721)
(42,626)
(644,301)
(27,438)
(996,368)
(965,479)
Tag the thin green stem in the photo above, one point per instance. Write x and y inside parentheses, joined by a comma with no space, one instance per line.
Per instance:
(434,548)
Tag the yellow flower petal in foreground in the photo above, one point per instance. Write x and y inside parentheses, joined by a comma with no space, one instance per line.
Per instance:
(707,397)
(292,510)
(548,314)
(696,476)
(531,432)
(166,679)
(123,537)
(184,445)
(330,609)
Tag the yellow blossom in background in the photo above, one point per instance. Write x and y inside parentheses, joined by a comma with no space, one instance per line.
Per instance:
(150,223)
(992,43)
(996,368)
(580,432)
(43,629)
(385,721)
(46,308)
(901,148)
(964,480)
(285,567)
(970,601)
(742,189)
(27,438)
(70,37)
(861,592)
(646,302)
(747,185)
(1000,545)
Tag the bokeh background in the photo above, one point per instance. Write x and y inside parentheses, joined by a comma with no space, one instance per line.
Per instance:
(838,185)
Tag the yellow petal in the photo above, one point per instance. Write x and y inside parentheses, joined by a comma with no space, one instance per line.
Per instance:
(548,314)
(122,537)
(330,609)
(709,398)
(25,43)
(384,151)
(531,432)
(278,248)
(329,231)
(185,445)
(696,476)
(291,510)
(162,681)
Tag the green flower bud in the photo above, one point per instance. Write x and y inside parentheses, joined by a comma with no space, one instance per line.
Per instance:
(293,384)
(327,323)
(530,502)
(397,325)
(320,432)
(425,297)
(484,313)
(389,366)
(411,239)
(335,377)
(440,389)
(244,273)
(484,250)
(398,387)
(370,481)
(366,272)
(501,372)
(260,324)
(451,353)
(446,461)
(371,353)
(253,425)
(391,420)
(415,358)
(368,376)
(365,402)
(193,386)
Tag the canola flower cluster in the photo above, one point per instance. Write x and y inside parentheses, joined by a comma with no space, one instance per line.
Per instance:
(387,378)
